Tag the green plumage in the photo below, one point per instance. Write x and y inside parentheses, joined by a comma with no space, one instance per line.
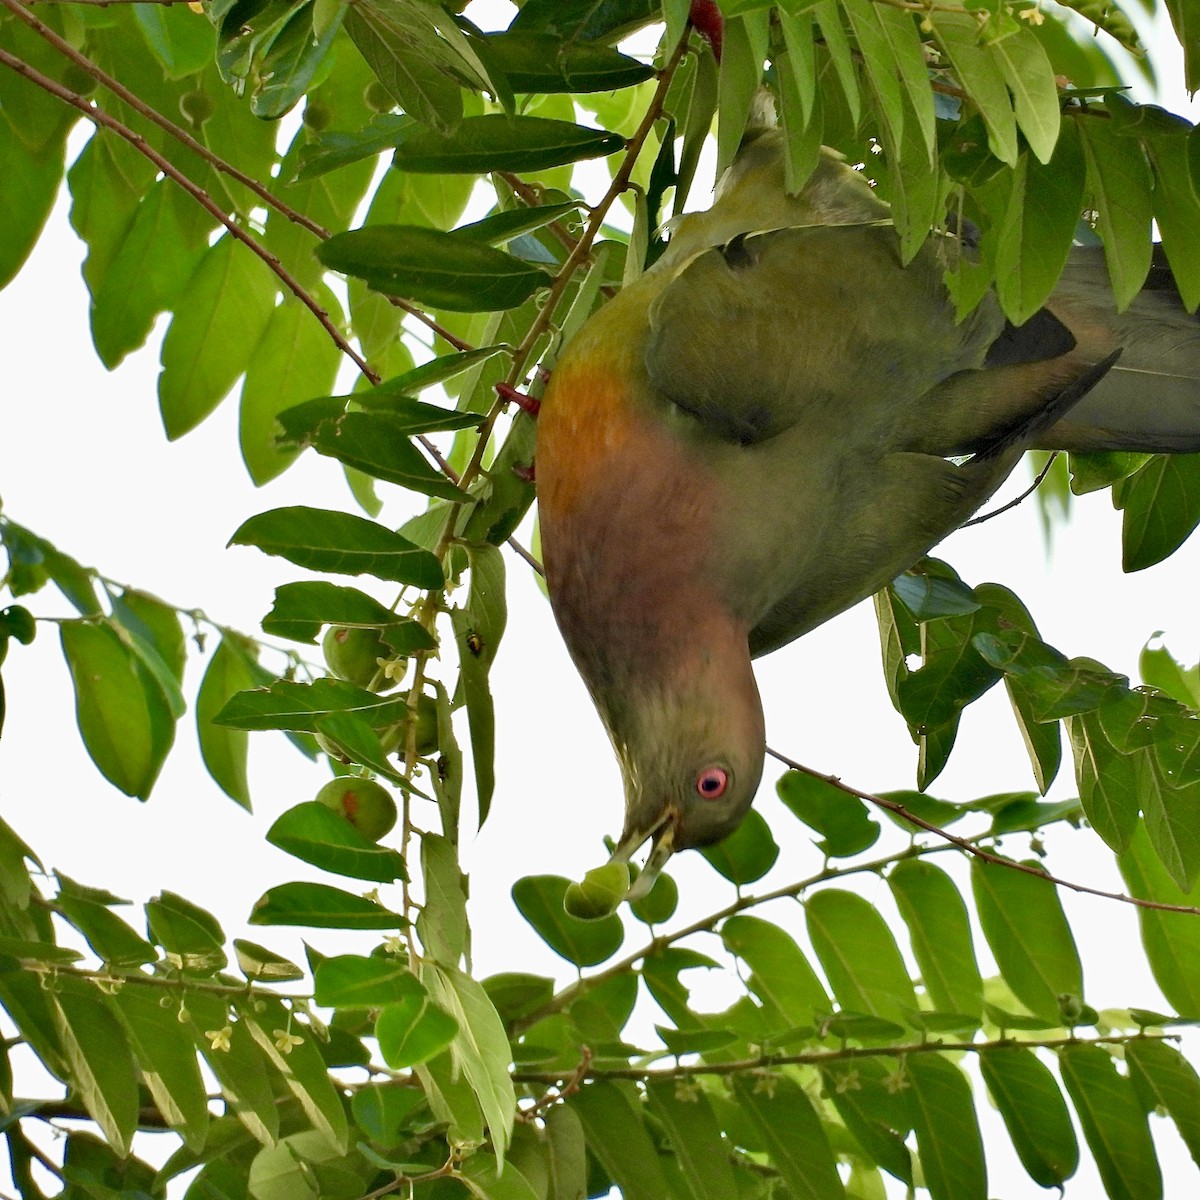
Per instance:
(776,420)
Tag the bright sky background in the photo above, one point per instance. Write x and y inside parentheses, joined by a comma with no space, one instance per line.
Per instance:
(83,461)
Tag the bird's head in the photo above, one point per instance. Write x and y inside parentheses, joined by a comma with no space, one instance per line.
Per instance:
(691,758)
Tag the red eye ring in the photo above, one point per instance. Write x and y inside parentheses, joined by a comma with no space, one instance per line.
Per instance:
(712,783)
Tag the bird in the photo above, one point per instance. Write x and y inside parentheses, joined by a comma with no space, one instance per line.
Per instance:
(774,421)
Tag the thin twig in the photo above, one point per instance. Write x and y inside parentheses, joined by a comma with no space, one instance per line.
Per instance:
(409,307)
(1033,487)
(99,117)
(198,148)
(768,1062)
(983,855)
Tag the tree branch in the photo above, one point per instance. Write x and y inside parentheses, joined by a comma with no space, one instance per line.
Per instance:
(984,855)
(768,1062)
(153,115)
(99,117)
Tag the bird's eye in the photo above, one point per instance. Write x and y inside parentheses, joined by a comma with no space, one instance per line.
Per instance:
(712,782)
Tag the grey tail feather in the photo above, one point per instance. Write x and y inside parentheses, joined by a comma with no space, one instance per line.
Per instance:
(1150,400)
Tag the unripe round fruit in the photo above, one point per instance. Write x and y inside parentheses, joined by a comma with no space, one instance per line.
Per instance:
(377,98)
(78,80)
(367,805)
(394,738)
(600,893)
(197,107)
(354,654)
(317,115)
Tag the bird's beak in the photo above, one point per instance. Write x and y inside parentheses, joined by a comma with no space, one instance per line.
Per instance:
(663,846)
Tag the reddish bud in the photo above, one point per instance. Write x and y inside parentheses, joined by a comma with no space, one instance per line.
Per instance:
(707,20)
(507,392)
(524,474)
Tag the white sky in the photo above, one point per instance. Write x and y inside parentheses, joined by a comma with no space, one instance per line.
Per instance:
(83,462)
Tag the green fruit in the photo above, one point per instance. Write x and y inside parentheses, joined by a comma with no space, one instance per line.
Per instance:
(367,805)
(197,107)
(377,98)
(353,655)
(659,903)
(394,738)
(600,893)
(317,115)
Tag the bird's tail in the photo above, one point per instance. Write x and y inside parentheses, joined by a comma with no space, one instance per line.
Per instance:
(1150,400)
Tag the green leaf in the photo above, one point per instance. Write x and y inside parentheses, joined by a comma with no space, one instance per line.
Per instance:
(567,1152)
(349,981)
(480,1049)
(928,594)
(445,270)
(401,43)
(301,609)
(878,63)
(123,716)
(167,1059)
(316,834)
(240,1069)
(1171,940)
(258,963)
(940,929)
(321,907)
(871,1098)
(150,269)
(1176,208)
(289,1045)
(617,1136)
(1024,923)
(1034,1113)
(981,77)
(1030,77)
(478,629)
(413,1029)
(301,706)
(841,818)
(739,74)
(211,339)
(948,1138)
(1113,1123)
(1118,182)
(1107,781)
(379,447)
(186,930)
(113,940)
(795,1141)
(295,357)
(323,540)
(696,1138)
(1161,504)
(223,749)
(497,1181)
(539,899)
(1163,1078)
(746,854)
(781,977)
(100,1063)
(442,921)
(452,1099)
(543,63)
(585,20)
(1172,820)
(499,142)
(26,200)
(1036,232)
(437,370)
(859,954)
